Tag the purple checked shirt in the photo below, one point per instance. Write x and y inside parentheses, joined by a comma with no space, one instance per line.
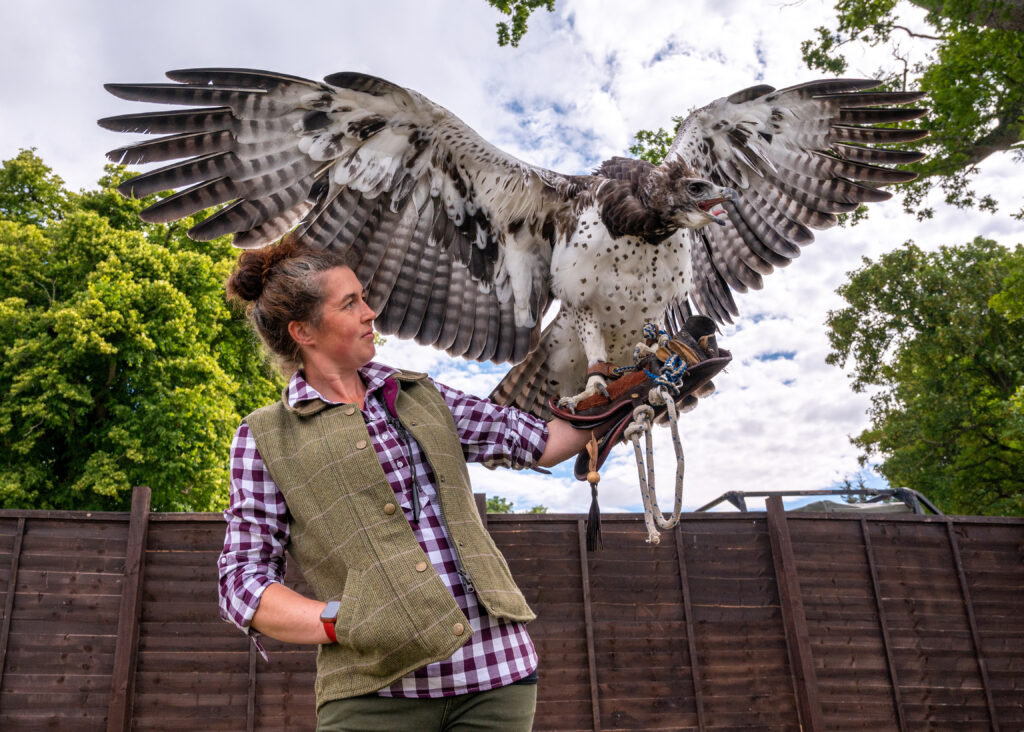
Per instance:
(499,652)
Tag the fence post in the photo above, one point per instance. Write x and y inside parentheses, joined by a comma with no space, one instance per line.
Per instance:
(122,682)
(12,581)
(793,619)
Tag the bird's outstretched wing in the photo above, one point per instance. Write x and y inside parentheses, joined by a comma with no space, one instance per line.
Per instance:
(452,236)
(796,157)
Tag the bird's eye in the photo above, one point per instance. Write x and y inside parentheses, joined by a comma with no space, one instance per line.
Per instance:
(695,188)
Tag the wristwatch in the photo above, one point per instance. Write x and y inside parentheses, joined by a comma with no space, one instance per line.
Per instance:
(329,617)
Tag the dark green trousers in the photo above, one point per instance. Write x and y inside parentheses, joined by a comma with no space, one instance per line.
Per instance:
(506,709)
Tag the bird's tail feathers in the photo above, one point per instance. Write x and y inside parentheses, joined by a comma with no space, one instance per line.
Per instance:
(528,385)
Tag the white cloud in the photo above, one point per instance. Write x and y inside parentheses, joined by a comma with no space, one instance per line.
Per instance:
(583,81)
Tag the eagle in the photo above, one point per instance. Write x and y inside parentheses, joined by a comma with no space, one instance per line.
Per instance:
(464,247)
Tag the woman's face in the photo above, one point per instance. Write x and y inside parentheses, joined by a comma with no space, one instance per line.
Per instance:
(344,335)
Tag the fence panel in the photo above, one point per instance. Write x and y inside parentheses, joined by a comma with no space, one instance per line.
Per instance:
(907,623)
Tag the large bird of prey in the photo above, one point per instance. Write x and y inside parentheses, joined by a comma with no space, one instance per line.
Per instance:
(464,247)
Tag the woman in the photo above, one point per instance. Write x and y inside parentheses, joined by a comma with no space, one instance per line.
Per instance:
(419,621)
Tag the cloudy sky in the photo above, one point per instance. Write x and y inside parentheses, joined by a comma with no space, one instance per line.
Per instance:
(581,83)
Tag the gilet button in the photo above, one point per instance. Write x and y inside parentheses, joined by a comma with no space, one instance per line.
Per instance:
(421,566)
(458,629)
(361,444)
(389,508)
(350,411)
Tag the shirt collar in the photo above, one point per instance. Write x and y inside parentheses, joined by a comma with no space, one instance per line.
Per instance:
(299,390)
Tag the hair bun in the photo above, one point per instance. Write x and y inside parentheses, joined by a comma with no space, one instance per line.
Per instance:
(246,282)
(256,265)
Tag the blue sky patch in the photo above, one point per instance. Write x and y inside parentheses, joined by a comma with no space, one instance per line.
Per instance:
(762,62)
(776,355)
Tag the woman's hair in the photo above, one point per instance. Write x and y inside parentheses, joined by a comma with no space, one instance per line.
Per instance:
(279,284)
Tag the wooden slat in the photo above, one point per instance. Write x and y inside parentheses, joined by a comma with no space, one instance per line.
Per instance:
(119,710)
(588,621)
(972,623)
(883,625)
(691,639)
(12,583)
(797,640)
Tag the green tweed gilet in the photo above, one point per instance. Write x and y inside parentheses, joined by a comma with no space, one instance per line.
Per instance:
(353,543)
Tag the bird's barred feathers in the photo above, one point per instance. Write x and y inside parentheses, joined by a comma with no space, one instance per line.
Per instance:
(454,239)
(798,157)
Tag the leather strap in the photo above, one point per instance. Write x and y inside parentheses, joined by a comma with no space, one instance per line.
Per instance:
(602,368)
(329,629)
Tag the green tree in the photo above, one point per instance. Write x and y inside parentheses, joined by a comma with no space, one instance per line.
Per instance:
(30,193)
(653,146)
(123,365)
(1010,302)
(945,369)
(497,504)
(509,34)
(972,70)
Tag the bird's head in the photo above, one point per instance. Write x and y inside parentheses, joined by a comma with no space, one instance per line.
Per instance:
(686,201)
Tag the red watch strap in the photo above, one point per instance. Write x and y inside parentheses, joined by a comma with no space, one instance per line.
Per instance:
(329,629)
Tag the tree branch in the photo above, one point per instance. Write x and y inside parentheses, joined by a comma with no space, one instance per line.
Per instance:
(912,34)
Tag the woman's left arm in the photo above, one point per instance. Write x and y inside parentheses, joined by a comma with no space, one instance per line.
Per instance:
(564,441)
(496,435)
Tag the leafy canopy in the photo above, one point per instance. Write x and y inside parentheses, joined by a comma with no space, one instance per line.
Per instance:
(971,67)
(938,340)
(123,364)
(653,145)
(498,504)
(30,193)
(509,34)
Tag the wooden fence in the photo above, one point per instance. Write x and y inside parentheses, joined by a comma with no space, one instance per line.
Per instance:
(734,622)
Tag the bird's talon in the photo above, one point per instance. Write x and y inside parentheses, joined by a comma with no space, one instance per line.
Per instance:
(603,390)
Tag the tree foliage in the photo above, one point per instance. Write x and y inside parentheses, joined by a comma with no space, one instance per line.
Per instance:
(928,337)
(123,365)
(972,71)
(1010,302)
(30,193)
(653,145)
(509,34)
(498,504)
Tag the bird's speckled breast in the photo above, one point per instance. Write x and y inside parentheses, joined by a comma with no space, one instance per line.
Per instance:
(623,282)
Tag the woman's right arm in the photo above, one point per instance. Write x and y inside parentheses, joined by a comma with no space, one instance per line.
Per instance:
(252,563)
(286,615)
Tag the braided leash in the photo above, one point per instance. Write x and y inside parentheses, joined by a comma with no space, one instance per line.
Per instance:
(643,419)
(669,375)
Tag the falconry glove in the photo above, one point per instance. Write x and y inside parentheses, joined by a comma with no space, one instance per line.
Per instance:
(682,366)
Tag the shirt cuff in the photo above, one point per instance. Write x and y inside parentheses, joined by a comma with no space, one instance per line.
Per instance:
(256,586)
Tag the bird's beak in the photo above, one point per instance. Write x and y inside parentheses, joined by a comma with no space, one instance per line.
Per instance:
(721,195)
